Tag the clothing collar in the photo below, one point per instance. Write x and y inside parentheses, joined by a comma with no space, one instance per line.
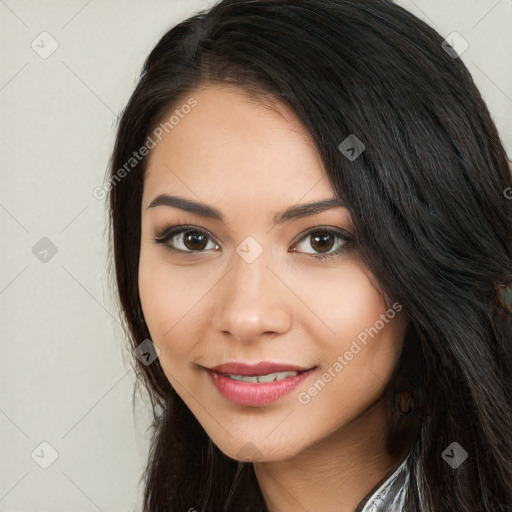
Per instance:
(390,494)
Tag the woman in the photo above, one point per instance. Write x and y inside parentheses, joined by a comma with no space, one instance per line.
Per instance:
(313,251)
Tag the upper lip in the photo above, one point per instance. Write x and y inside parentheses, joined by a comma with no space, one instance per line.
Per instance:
(262,368)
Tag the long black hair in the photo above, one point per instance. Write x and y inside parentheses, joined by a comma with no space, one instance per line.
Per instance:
(427,200)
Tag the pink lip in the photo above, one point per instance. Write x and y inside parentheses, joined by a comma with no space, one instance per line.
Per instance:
(262,368)
(246,393)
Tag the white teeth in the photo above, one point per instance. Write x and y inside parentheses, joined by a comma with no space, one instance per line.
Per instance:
(243,378)
(268,378)
(254,379)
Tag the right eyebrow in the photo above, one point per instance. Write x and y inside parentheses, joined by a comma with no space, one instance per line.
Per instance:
(186,204)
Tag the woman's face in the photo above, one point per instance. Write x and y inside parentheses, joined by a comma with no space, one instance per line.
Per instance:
(248,289)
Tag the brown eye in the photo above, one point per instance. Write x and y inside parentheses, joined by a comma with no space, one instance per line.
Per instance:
(323,240)
(186,240)
(194,240)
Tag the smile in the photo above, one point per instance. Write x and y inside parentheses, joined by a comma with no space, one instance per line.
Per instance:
(257,390)
(271,377)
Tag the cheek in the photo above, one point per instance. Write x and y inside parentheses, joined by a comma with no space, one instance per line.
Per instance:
(160,299)
(173,303)
(353,377)
(345,302)
(151,292)
(161,307)
(363,343)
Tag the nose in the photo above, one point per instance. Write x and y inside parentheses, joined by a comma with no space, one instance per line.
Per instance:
(252,302)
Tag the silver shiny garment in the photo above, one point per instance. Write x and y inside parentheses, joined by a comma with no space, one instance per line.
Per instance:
(390,495)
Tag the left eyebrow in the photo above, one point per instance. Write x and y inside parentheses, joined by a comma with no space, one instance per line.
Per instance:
(204,210)
(306,210)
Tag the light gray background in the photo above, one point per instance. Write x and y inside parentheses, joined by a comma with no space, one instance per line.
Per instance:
(63,375)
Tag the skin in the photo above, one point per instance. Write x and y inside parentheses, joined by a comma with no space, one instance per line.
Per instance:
(251,162)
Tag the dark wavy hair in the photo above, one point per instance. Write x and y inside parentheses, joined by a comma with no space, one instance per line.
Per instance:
(427,200)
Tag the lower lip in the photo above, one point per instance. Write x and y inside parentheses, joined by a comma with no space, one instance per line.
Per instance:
(256,395)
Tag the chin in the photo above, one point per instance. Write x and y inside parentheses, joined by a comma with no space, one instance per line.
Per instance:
(267,451)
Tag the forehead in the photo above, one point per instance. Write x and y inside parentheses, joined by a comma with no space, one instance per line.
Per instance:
(230,141)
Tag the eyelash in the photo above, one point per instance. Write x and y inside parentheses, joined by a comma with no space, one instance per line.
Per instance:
(169,232)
